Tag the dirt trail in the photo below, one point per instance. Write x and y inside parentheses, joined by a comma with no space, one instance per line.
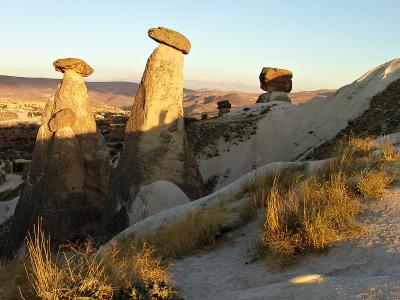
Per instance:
(367,267)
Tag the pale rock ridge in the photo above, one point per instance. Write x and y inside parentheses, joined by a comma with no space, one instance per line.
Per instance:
(68,178)
(155,145)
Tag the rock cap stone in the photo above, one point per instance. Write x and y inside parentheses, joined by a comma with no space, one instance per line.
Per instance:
(274,79)
(170,38)
(224,104)
(76,64)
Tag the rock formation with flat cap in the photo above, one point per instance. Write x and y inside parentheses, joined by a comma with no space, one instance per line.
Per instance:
(223,107)
(170,38)
(68,180)
(155,143)
(75,64)
(277,83)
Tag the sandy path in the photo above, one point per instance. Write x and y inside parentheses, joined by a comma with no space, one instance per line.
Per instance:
(365,268)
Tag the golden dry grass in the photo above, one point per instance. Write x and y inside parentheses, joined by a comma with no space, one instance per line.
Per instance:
(77,273)
(309,215)
(390,153)
(200,230)
(361,145)
(373,182)
(80,275)
(130,264)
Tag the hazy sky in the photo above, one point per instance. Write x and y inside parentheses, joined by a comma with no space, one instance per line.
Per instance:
(326,43)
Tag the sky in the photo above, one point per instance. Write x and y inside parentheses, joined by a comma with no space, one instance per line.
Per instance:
(326,43)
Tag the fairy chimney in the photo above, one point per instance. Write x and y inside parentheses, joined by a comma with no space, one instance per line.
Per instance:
(155,146)
(68,179)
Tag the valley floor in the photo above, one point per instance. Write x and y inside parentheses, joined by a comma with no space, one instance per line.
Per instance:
(367,267)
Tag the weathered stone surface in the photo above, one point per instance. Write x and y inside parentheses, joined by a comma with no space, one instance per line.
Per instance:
(75,64)
(273,96)
(63,118)
(8,115)
(153,198)
(171,38)
(274,79)
(155,145)
(68,179)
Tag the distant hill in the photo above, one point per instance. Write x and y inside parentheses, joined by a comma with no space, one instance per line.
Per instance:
(115,93)
(122,94)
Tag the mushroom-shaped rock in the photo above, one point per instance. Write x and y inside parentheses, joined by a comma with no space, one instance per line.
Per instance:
(170,38)
(224,104)
(75,64)
(155,143)
(68,178)
(64,118)
(274,79)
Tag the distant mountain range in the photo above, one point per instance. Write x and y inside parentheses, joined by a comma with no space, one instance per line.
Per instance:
(122,94)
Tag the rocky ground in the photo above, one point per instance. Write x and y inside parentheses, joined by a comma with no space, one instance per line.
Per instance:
(367,267)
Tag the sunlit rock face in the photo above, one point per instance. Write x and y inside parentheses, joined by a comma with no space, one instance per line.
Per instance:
(277,83)
(68,180)
(155,143)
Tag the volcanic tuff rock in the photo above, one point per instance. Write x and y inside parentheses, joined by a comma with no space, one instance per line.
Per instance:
(153,198)
(75,64)
(8,115)
(170,38)
(155,145)
(62,119)
(273,96)
(224,107)
(68,179)
(274,79)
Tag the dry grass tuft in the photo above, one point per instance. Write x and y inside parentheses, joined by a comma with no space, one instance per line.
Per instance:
(361,145)
(135,264)
(77,273)
(80,275)
(201,229)
(372,183)
(309,215)
(390,153)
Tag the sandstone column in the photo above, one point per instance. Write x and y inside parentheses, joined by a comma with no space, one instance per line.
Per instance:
(155,144)
(68,180)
